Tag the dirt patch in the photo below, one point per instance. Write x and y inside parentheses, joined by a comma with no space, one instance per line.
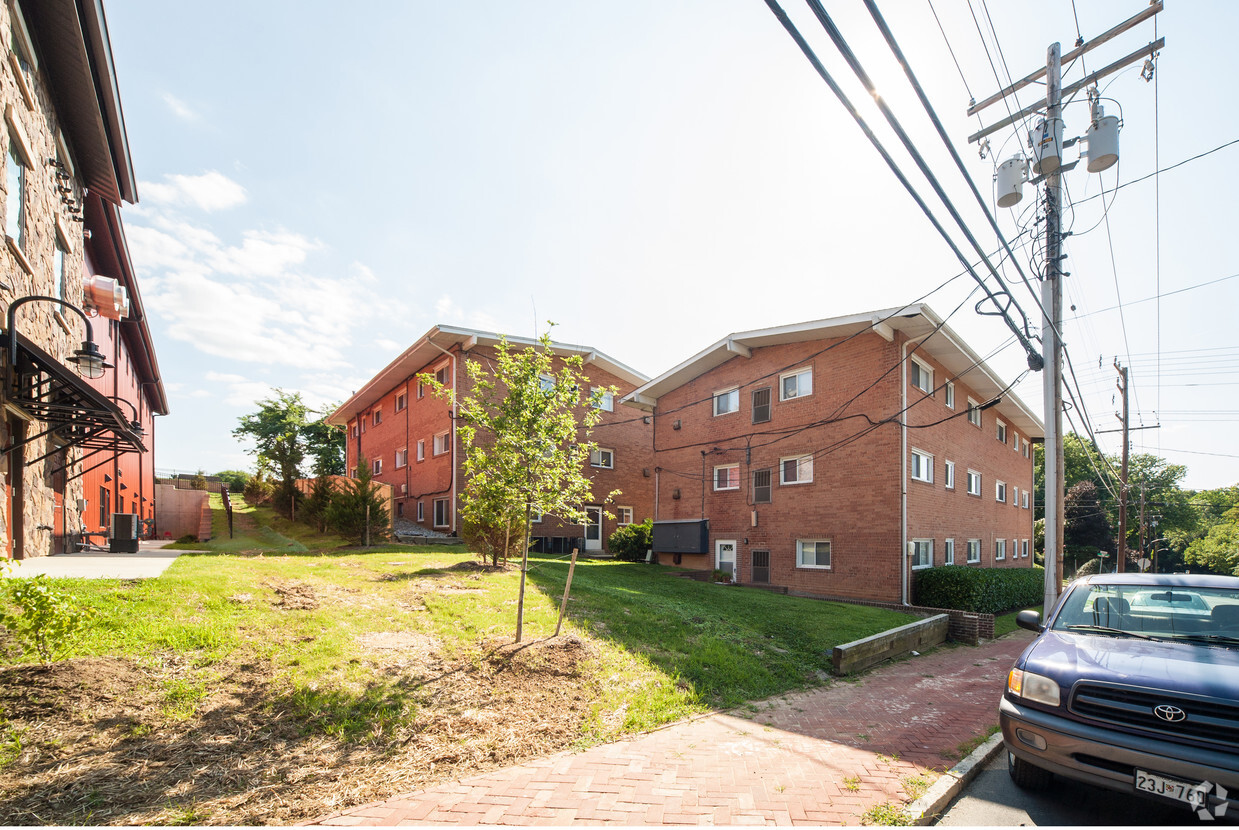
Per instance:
(94,741)
(291,595)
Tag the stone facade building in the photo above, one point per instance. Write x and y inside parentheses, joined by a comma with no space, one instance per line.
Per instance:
(409,438)
(836,458)
(76,449)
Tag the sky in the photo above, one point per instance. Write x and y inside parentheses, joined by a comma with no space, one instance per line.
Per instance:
(320,184)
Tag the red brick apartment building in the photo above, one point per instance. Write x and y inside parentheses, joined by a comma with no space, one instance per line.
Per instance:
(77,436)
(409,438)
(837,457)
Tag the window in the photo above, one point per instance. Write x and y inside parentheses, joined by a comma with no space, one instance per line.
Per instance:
(795,384)
(440,444)
(441,375)
(402,458)
(15,205)
(1015,497)
(1024,500)
(546,383)
(797,470)
(948,551)
(727,477)
(948,475)
(623,515)
(535,514)
(1026,449)
(922,553)
(1024,549)
(355,430)
(1015,441)
(812,553)
(402,401)
(922,376)
(726,401)
(974,413)
(421,449)
(60,268)
(421,511)
(948,392)
(1000,491)
(377,466)
(442,513)
(605,399)
(421,390)
(974,483)
(23,55)
(1002,432)
(602,458)
(400,509)
(922,467)
(378,417)
(1000,550)
(104,495)
(761,405)
(761,487)
(974,551)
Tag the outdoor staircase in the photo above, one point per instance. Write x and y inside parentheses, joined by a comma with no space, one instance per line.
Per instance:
(204,523)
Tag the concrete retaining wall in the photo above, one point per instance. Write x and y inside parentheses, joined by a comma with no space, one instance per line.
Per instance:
(179,512)
(861,654)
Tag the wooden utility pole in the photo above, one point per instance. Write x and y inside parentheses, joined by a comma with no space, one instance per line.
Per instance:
(1122,553)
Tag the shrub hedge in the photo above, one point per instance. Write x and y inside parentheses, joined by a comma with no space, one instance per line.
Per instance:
(982,590)
(629,543)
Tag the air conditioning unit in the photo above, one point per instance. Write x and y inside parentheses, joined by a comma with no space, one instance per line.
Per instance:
(124,533)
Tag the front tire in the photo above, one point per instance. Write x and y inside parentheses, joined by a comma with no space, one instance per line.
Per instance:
(1027,776)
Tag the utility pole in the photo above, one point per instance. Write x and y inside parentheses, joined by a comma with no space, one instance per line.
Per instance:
(1050,166)
(1122,386)
(1143,491)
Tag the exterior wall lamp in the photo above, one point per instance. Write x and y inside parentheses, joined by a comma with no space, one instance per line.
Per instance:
(135,426)
(88,359)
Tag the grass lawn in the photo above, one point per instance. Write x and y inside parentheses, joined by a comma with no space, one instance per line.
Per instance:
(294,679)
(1005,623)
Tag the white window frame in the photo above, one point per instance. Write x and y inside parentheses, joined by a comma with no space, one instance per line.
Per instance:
(1027,448)
(922,554)
(727,397)
(1015,443)
(948,394)
(733,475)
(804,469)
(948,474)
(447,513)
(1000,491)
(442,444)
(921,466)
(804,384)
(623,515)
(1023,549)
(974,551)
(974,413)
(377,417)
(800,563)
(602,458)
(402,458)
(606,400)
(17,205)
(1000,431)
(1015,495)
(973,478)
(1024,500)
(926,375)
(948,551)
(421,511)
(376,466)
(60,264)
(421,449)
(402,401)
(546,384)
(1000,550)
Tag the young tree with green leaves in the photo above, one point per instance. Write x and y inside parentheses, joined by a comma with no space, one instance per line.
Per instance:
(357,511)
(525,429)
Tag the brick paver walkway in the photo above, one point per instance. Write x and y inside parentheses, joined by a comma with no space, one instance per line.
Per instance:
(819,757)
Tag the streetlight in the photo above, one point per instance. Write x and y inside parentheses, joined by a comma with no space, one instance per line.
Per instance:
(88,359)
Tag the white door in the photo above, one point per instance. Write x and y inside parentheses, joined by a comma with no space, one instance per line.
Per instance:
(725,556)
(593,528)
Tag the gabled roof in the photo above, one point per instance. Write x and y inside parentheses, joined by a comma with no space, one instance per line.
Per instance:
(916,321)
(439,339)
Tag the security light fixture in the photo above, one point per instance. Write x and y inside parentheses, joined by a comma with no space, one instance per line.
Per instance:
(135,426)
(89,360)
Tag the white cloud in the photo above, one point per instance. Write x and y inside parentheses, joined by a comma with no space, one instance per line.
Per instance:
(447,311)
(210,191)
(179,108)
(385,345)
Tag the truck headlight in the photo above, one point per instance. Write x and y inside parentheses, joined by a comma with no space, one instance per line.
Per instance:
(1032,687)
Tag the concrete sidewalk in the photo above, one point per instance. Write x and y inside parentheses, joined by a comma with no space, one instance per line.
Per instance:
(150,561)
(819,757)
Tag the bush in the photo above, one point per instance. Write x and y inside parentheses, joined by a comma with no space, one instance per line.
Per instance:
(1090,567)
(630,543)
(488,538)
(187,539)
(46,618)
(983,590)
(257,491)
(357,511)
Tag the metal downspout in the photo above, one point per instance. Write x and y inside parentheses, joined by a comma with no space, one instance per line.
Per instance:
(455,389)
(903,472)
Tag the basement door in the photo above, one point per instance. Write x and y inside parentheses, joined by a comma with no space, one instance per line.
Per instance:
(593,528)
(725,556)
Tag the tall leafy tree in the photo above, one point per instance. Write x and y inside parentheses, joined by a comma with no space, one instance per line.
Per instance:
(325,444)
(1218,549)
(276,430)
(525,429)
(1086,527)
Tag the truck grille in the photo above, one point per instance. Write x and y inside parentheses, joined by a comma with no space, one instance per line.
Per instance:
(1207,720)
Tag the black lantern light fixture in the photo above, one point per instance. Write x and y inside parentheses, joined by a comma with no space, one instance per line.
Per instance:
(135,426)
(88,359)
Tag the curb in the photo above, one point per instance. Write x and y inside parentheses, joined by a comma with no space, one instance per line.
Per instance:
(926,808)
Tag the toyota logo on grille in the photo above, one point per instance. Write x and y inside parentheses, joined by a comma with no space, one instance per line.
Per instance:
(1170,714)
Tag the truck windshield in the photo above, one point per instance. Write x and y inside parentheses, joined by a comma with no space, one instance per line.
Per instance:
(1193,613)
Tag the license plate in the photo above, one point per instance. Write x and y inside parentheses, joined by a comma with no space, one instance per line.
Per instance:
(1173,788)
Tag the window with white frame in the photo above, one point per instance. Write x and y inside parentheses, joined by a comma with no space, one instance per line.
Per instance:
(443,513)
(1015,496)
(604,399)
(546,383)
(948,551)
(922,553)
(726,401)
(922,466)
(421,511)
(922,376)
(1001,434)
(602,458)
(1023,549)
(60,267)
(441,374)
(1000,550)
(402,401)
(421,449)
(378,417)
(421,390)
(974,551)
(974,413)
(1027,449)
(1024,499)
(974,483)
(23,54)
(377,466)
(812,553)
(1015,441)
(402,458)
(441,444)
(623,515)
(797,470)
(727,477)
(15,205)
(535,514)
(796,384)
(948,394)
(1000,491)
(948,475)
